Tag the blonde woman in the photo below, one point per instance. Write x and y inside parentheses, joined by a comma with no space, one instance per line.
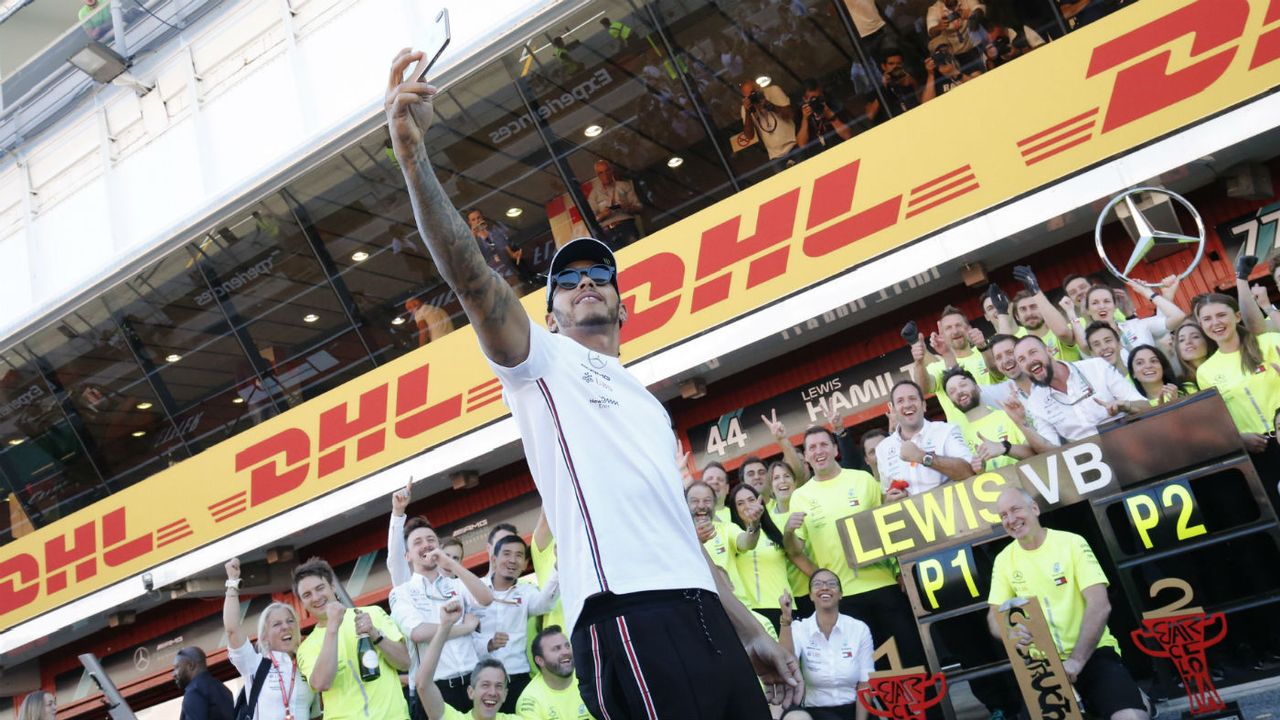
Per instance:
(39,705)
(285,693)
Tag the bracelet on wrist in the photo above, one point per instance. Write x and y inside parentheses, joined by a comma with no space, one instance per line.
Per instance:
(232,584)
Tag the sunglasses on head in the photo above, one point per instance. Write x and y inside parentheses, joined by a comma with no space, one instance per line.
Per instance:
(569,278)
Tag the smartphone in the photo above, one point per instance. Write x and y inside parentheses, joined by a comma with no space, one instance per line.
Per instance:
(437,41)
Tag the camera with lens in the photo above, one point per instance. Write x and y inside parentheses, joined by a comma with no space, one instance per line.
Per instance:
(755,98)
(817,104)
(942,56)
(897,75)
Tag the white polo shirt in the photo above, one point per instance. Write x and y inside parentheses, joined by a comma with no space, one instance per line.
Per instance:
(509,613)
(603,456)
(1076,414)
(283,673)
(939,438)
(833,666)
(418,601)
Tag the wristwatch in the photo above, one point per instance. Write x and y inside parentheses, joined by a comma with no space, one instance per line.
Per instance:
(233,584)
(928,460)
(1008,446)
(381,637)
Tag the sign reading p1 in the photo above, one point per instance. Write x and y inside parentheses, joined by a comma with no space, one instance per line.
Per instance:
(1164,515)
(949,580)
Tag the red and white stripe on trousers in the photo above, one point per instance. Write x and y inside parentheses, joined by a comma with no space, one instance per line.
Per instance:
(650,712)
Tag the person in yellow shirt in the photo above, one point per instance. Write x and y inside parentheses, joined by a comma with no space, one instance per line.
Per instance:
(487,689)
(871,592)
(762,568)
(717,478)
(720,538)
(995,438)
(799,568)
(1245,369)
(553,693)
(1060,569)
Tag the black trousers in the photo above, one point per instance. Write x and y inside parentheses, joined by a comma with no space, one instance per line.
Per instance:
(454,691)
(663,653)
(515,685)
(888,613)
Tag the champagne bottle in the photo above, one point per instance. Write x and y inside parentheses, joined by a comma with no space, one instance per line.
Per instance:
(368,654)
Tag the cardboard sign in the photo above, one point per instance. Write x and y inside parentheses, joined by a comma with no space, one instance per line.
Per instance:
(1043,681)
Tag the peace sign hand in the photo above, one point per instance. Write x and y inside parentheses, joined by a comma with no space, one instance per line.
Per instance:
(775,426)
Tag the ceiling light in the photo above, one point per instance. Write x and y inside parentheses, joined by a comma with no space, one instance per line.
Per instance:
(675,162)
(399,320)
(593,130)
(17,441)
(237,400)
(764,81)
(138,433)
(310,317)
(99,62)
(514,212)
(359,256)
(144,405)
(172,357)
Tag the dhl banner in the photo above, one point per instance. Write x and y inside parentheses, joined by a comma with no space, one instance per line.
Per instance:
(1132,77)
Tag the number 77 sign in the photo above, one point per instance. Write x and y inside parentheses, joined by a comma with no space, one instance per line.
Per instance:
(1255,234)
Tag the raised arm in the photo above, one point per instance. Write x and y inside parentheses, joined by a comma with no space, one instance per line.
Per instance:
(428,694)
(231,607)
(500,322)
(789,455)
(1173,315)
(473,584)
(397,565)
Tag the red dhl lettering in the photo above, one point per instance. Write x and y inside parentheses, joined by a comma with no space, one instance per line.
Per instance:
(281,463)
(1146,86)
(79,550)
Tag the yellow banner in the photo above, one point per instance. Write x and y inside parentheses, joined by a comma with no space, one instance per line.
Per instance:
(1132,77)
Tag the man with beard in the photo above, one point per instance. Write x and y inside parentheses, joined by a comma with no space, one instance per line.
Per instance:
(921,454)
(203,697)
(871,593)
(415,607)
(553,694)
(504,624)
(994,437)
(1060,569)
(956,343)
(1035,315)
(601,452)
(1070,399)
(717,478)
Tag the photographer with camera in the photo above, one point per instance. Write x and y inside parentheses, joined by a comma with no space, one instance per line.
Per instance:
(901,88)
(954,23)
(820,123)
(767,114)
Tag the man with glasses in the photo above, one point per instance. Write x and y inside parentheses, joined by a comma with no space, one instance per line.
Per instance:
(602,454)
(1069,400)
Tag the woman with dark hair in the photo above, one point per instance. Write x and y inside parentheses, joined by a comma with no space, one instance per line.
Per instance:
(1154,376)
(762,565)
(834,651)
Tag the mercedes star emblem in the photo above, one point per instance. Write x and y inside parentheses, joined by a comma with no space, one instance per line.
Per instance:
(1148,236)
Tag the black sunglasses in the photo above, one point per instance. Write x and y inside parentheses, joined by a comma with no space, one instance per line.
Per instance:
(569,278)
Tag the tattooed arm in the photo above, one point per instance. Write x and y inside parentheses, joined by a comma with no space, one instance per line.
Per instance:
(495,312)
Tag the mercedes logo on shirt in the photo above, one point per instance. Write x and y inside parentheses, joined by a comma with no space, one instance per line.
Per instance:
(1148,235)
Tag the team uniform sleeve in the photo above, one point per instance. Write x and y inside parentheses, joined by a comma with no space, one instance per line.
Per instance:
(954,445)
(386,626)
(528,708)
(865,654)
(536,365)
(405,616)
(1121,388)
(542,601)
(1085,565)
(397,565)
(245,660)
(1001,588)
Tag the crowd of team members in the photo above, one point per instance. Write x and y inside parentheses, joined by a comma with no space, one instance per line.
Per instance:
(484,647)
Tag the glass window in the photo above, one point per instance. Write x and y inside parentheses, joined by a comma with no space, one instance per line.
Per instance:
(42,460)
(189,350)
(278,291)
(125,429)
(753,62)
(621,107)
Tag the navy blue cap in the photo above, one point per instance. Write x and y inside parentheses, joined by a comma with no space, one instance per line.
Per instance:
(583,248)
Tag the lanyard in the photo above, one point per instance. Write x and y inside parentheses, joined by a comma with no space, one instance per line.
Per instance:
(293,679)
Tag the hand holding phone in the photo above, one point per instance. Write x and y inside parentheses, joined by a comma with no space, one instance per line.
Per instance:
(436,42)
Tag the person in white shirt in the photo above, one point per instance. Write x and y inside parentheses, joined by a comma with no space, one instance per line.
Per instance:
(835,651)
(1071,399)
(504,624)
(1100,306)
(602,455)
(921,454)
(616,205)
(280,696)
(767,112)
(415,607)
